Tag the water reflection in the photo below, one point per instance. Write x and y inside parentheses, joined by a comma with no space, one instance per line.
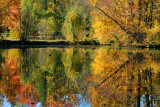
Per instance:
(68,77)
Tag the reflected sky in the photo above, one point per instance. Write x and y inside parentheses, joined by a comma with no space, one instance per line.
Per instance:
(82,103)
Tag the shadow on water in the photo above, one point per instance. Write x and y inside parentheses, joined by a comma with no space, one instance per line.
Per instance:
(85,77)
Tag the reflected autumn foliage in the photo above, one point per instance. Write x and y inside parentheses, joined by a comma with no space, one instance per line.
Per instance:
(28,95)
(10,83)
(58,75)
(9,77)
(66,77)
(125,77)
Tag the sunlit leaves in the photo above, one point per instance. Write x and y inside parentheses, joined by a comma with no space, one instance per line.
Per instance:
(93,2)
(138,19)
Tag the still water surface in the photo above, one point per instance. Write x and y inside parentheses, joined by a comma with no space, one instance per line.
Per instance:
(83,77)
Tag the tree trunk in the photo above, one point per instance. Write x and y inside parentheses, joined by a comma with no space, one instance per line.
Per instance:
(151,14)
(46,6)
(139,12)
(139,90)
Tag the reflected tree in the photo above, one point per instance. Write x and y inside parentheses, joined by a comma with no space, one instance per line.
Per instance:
(125,80)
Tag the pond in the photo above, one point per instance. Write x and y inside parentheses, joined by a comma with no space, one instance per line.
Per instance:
(79,76)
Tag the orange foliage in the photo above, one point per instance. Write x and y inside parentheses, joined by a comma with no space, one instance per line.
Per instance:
(10,12)
(11,80)
(11,86)
(28,95)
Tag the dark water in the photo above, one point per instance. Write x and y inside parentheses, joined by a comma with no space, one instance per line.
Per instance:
(83,77)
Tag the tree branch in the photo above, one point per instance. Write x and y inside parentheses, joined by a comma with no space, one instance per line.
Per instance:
(123,28)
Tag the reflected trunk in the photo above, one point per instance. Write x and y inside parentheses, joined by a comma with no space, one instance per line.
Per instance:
(139,90)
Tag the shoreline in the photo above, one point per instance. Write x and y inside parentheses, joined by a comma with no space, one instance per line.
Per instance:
(63,43)
(47,42)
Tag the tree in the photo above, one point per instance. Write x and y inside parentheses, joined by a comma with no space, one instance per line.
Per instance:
(77,21)
(135,18)
(10,13)
(26,19)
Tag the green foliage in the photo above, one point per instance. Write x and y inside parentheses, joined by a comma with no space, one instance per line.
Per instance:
(76,21)
(67,28)
(26,20)
(46,27)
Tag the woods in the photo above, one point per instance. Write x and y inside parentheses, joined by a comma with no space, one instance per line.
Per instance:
(118,22)
(139,20)
(79,53)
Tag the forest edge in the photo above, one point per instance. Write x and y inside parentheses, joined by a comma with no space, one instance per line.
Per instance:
(67,43)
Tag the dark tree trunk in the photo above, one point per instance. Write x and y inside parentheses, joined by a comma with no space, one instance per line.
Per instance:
(46,6)
(139,90)
(139,12)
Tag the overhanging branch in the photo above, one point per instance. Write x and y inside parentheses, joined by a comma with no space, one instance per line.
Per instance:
(123,28)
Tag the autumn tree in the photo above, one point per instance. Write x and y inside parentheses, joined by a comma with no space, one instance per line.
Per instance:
(139,19)
(10,13)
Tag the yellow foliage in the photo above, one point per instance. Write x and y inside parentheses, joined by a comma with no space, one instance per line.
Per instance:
(154,29)
(133,67)
(93,3)
(14,35)
(112,20)
(12,53)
